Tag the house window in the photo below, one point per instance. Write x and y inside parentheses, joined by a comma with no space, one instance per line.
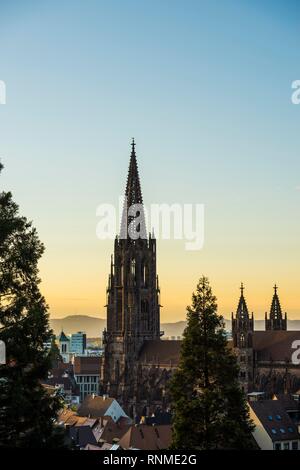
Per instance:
(277,446)
(295,445)
(286,446)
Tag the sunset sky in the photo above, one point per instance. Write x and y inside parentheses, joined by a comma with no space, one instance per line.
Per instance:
(205,89)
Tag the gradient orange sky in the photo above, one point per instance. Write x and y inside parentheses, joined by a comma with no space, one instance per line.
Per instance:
(78,287)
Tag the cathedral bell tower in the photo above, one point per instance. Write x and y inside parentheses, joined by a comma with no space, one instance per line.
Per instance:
(242,334)
(133,309)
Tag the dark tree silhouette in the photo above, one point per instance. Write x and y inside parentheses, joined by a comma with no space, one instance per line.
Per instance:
(27,411)
(210,410)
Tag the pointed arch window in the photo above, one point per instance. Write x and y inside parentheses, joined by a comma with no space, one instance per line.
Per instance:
(132,267)
(143,273)
(144,306)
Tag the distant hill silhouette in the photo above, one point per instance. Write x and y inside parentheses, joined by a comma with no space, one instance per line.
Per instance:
(94,326)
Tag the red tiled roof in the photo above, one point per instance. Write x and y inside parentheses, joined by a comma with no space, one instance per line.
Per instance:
(87,365)
(146,437)
(114,430)
(94,406)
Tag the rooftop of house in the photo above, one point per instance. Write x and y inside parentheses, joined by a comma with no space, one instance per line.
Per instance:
(94,447)
(275,420)
(145,437)
(71,418)
(113,432)
(289,401)
(87,365)
(62,377)
(82,435)
(95,406)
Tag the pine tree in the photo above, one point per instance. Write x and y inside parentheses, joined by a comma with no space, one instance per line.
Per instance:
(210,410)
(27,411)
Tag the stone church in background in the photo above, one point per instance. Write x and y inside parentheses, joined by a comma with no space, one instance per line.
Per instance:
(269,360)
(137,363)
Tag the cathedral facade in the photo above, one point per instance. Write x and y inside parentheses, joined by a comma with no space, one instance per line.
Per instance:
(137,363)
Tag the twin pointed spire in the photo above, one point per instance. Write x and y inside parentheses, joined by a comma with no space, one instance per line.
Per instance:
(133,223)
(276,321)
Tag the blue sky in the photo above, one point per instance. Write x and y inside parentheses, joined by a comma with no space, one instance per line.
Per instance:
(205,88)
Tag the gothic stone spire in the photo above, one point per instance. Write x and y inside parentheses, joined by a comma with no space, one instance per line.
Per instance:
(133,223)
(276,320)
(242,323)
(242,309)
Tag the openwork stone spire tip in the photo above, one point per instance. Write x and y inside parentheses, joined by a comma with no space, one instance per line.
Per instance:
(133,218)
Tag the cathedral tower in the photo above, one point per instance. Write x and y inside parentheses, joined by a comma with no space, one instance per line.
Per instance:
(133,310)
(276,320)
(242,334)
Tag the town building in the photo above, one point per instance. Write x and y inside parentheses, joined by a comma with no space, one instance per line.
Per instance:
(87,375)
(78,343)
(143,437)
(275,425)
(100,406)
(64,347)
(105,433)
(61,381)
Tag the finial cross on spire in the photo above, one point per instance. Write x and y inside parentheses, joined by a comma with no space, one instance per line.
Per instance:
(133,145)
(242,288)
(275,289)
